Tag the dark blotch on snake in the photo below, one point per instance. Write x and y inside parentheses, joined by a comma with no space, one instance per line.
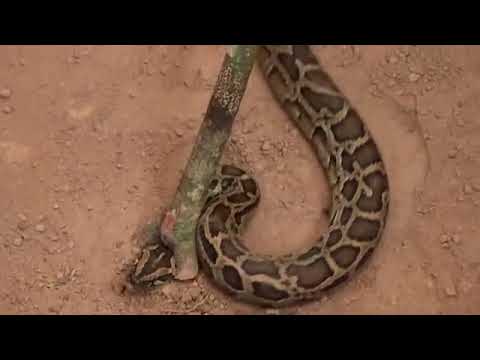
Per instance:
(260,267)
(239,215)
(346,214)
(349,189)
(378,183)
(312,275)
(230,250)
(334,237)
(249,186)
(238,198)
(345,256)
(363,229)
(321,78)
(268,292)
(218,218)
(289,62)
(367,154)
(319,101)
(226,184)
(347,161)
(207,247)
(232,277)
(303,53)
(230,170)
(350,128)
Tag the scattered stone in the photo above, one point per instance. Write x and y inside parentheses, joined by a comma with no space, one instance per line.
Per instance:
(119,166)
(5,93)
(452,154)
(18,241)
(476,187)
(22,224)
(40,228)
(54,237)
(391,83)
(7,109)
(89,207)
(266,146)
(456,238)
(54,309)
(467,189)
(131,95)
(444,238)
(392,60)
(450,289)
(195,292)
(179,132)
(56,206)
(413,77)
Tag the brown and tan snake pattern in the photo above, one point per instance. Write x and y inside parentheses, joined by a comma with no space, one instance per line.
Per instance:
(355,172)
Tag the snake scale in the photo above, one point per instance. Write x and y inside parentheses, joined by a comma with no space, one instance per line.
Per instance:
(356,175)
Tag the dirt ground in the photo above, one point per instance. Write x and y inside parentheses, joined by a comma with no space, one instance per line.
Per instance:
(93,140)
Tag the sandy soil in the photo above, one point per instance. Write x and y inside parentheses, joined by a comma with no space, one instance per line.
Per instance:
(93,140)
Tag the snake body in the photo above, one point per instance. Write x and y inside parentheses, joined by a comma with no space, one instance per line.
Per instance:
(356,175)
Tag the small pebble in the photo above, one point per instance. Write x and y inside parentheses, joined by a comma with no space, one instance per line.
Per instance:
(7,109)
(18,241)
(40,228)
(266,146)
(413,77)
(22,225)
(452,154)
(444,238)
(393,60)
(195,292)
(5,93)
(450,290)
(476,187)
(119,166)
(56,206)
(456,238)
(467,189)
(22,217)
(179,132)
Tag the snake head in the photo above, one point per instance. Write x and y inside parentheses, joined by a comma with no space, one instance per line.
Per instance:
(154,267)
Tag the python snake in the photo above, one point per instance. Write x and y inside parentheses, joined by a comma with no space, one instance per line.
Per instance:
(359,207)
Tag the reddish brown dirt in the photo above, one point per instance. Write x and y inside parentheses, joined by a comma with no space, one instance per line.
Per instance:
(93,140)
